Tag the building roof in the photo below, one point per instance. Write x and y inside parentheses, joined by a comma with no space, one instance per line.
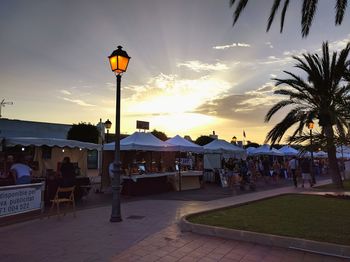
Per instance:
(22,128)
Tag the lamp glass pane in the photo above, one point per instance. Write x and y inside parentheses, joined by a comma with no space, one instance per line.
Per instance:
(122,64)
(113,62)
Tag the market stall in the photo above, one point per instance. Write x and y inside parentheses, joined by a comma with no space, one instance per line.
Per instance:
(190,170)
(147,163)
(215,152)
(44,156)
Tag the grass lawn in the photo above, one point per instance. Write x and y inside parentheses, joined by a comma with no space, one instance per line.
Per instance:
(303,216)
(346,184)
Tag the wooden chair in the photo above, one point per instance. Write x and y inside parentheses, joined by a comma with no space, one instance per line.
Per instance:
(64,195)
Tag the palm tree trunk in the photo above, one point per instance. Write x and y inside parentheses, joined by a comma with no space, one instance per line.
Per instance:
(332,157)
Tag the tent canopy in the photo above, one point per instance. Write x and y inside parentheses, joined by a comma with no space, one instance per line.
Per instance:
(320,154)
(184,145)
(265,150)
(141,141)
(250,150)
(288,151)
(221,146)
(52,142)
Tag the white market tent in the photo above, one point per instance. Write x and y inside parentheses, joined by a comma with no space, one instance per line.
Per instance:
(343,155)
(59,148)
(344,149)
(320,154)
(266,150)
(217,149)
(288,151)
(51,142)
(250,150)
(221,147)
(141,141)
(183,145)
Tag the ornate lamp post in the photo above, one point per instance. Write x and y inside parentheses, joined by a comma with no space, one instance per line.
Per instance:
(108,125)
(310,125)
(119,61)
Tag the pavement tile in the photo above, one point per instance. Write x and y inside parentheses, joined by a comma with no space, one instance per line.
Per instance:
(188,259)
(216,256)
(149,258)
(224,259)
(168,259)
(234,255)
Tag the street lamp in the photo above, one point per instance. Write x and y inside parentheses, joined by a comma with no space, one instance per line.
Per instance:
(234,140)
(119,61)
(310,125)
(108,125)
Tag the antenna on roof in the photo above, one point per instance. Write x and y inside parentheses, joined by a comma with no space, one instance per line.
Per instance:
(3,104)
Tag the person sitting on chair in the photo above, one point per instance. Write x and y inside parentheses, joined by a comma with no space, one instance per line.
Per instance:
(67,172)
(21,172)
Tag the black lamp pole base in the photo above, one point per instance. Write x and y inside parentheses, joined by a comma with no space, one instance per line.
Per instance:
(115,219)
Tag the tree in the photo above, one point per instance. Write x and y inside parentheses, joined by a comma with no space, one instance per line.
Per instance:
(251,144)
(307,13)
(203,140)
(160,135)
(83,132)
(324,96)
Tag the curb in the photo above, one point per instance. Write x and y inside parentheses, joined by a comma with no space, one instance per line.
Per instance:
(323,248)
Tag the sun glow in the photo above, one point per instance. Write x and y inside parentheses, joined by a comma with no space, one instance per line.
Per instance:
(181,124)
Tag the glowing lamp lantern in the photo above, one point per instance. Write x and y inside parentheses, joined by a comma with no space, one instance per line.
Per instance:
(119,61)
(310,124)
(234,140)
(108,124)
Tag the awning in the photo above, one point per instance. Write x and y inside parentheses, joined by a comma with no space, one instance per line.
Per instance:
(52,142)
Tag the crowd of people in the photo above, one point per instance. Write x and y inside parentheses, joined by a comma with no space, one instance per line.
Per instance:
(272,169)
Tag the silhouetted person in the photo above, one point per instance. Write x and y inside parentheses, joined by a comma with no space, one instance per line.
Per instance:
(306,171)
(293,166)
(21,172)
(67,171)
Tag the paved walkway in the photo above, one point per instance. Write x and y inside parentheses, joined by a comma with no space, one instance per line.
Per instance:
(147,233)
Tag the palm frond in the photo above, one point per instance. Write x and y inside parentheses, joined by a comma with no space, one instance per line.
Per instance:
(240,7)
(274,8)
(277,132)
(340,8)
(276,108)
(283,14)
(232,2)
(308,13)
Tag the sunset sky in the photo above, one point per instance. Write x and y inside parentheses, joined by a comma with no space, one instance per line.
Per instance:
(190,71)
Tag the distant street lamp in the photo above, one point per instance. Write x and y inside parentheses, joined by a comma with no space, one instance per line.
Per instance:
(108,125)
(310,125)
(119,61)
(234,140)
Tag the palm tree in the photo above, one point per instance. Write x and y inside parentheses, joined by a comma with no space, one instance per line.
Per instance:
(323,96)
(307,13)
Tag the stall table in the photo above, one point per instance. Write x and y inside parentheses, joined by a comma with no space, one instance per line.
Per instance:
(189,180)
(138,185)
